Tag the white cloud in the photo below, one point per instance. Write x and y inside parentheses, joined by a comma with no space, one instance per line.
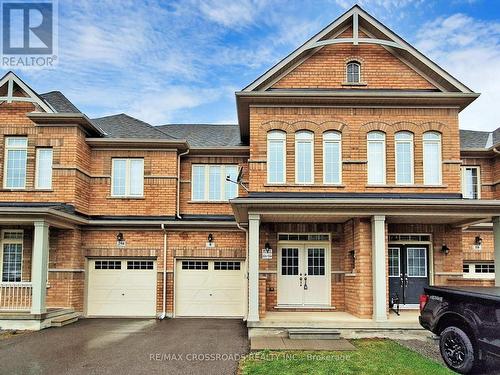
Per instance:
(469,49)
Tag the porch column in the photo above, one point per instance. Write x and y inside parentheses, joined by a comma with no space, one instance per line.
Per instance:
(40,257)
(253,267)
(379,272)
(496,245)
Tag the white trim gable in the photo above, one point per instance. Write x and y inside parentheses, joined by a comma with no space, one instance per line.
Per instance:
(389,40)
(32,97)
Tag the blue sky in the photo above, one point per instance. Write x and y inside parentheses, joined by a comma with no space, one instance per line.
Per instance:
(182,61)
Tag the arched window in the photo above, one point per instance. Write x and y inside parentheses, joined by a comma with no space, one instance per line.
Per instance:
(332,157)
(353,72)
(376,157)
(276,151)
(304,157)
(432,158)
(404,157)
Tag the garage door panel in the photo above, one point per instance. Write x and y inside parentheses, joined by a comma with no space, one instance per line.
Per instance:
(210,291)
(117,290)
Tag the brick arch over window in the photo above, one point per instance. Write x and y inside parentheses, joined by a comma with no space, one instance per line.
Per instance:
(303,125)
(376,125)
(407,126)
(434,126)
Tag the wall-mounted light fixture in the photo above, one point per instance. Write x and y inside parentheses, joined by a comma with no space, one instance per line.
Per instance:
(478,241)
(267,246)
(119,237)
(210,238)
(445,249)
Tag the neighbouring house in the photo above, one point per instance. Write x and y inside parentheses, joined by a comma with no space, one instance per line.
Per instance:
(355,190)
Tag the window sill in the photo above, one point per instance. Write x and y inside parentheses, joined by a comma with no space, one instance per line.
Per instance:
(392,186)
(208,202)
(355,84)
(126,197)
(307,185)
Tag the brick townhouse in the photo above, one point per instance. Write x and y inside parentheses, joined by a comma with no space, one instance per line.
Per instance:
(351,188)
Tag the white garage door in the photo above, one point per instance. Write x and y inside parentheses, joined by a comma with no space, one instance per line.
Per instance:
(123,287)
(209,288)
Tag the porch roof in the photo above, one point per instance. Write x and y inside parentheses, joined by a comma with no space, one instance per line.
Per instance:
(338,208)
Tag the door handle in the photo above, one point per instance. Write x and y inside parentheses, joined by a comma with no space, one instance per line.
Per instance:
(401,280)
(305,281)
(300,280)
(406,281)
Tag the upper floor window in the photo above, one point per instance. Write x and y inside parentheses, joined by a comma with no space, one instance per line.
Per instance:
(276,151)
(304,157)
(432,158)
(209,182)
(376,157)
(12,255)
(353,72)
(127,178)
(43,172)
(471,185)
(16,154)
(332,157)
(404,157)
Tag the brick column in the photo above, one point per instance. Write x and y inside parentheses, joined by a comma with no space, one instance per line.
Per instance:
(40,259)
(379,272)
(253,267)
(262,296)
(496,246)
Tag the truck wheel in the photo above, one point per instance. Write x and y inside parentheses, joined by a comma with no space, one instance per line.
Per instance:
(458,351)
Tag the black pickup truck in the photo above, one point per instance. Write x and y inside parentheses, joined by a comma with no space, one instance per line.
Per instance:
(467,319)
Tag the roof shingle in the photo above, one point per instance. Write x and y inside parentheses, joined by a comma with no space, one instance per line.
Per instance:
(59,102)
(205,135)
(125,126)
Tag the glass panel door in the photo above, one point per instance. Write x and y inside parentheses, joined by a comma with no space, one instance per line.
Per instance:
(290,276)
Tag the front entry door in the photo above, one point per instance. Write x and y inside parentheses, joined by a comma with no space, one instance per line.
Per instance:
(408,272)
(303,276)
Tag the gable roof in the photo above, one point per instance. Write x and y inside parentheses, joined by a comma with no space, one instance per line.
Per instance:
(11,80)
(205,135)
(380,34)
(125,126)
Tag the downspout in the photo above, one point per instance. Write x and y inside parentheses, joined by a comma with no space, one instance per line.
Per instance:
(177,207)
(164,293)
(246,265)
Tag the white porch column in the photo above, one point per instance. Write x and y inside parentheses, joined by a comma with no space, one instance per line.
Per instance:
(253,267)
(39,259)
(496,246)
(379,272)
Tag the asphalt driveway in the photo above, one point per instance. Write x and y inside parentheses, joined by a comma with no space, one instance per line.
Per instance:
(128,346)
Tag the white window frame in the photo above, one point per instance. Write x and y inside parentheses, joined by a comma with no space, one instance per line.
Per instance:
(412,161)
(37,168)
(11,241)
(332,137)
(304,136)
(440,163)
(347,75)
(207,182)
(408,263)
(275,136)
(368,142)
(464,182)
(399,261)
(6,160)
(127,178)
(480,275)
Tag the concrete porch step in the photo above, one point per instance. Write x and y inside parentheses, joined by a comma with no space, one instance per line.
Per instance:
(313,334)
(63,320)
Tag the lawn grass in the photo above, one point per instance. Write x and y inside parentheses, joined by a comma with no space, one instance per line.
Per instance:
(374,356)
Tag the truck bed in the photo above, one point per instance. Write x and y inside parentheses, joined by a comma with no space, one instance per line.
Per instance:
(492,293)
